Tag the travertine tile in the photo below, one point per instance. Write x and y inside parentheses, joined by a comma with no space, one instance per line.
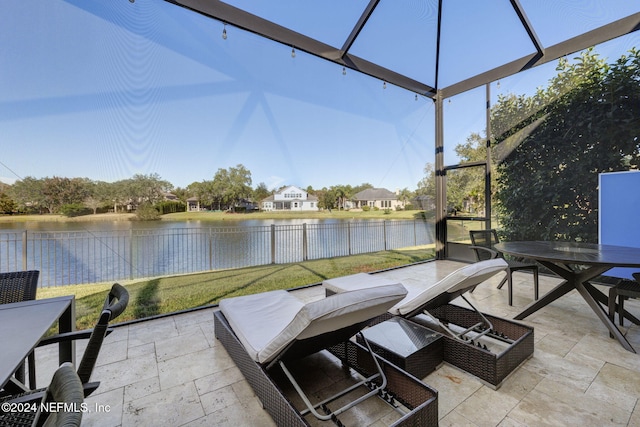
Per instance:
(171,407)
(559,405)
(487,407)
(218,380)
(142,388)
(454,387)
(136,350)
(180,345)
(576,372)
(189,367)
(105,409)
(218,399)
(455,419)
(126,372)
(599,390)
(554,344)
(113,351)
(145,332)
(520,383)
(618,378)
(235,415)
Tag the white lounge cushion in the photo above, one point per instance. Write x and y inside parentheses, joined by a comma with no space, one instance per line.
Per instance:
(465,277)
(266,323)
(356,281)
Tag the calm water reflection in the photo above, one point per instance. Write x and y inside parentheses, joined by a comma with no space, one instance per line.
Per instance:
(102,251)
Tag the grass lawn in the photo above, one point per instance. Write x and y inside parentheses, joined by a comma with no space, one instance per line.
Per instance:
(170,294)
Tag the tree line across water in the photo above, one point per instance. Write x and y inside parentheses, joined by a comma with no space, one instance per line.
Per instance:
(147,194)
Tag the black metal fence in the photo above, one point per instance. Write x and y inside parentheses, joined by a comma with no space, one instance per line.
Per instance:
(74,257)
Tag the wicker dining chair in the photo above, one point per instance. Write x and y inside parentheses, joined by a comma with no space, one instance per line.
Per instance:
(115,303)
(20,286)
(483,242)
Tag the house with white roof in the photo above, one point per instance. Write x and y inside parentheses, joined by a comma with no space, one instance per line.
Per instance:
(290,198)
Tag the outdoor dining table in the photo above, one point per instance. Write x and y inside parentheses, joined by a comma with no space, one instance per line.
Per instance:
(24,324)
(561,258)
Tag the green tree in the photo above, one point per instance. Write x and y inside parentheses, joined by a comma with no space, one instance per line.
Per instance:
(57,191)
(404,196)
(361,187)
(326,198)
(7,205)
(147,212)
(342,193)
(427,185)
(28,194)
(230,186)
(98,195)
(147,188)
(548,177)
(261,192)
(239,185)
(466,186)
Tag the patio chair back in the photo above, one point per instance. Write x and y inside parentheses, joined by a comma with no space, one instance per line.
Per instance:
(115,303)
(486,239)
(18,286)
(483,245)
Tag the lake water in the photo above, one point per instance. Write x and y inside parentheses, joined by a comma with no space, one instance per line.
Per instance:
(103,251)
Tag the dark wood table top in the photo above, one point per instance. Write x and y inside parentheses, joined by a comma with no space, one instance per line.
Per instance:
(22,326)
(574,253)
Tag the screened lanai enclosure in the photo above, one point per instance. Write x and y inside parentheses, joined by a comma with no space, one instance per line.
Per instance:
(503,114)
(524,159)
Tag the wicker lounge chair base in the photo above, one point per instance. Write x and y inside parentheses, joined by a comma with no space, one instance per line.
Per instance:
(401,389)
(492,364)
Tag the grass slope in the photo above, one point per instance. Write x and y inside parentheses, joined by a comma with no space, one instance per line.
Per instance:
(170,294)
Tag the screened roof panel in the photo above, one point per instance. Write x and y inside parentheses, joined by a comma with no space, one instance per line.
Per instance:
(401,35)
(329,21)
(556,21)
(479,36)
(402,43)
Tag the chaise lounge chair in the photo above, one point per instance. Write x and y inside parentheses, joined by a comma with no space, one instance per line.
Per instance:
(264,332)
(468,332)
(425,296)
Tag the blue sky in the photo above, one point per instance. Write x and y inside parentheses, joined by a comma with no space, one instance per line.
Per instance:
(107,89)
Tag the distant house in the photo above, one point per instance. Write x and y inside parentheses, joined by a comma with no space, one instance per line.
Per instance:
(380,198)
(171,197)
(245,205)
(290,198)
(193,204)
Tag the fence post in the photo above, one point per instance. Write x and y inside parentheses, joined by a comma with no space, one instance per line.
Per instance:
(273,243)
(384,231)
(211,249)
(304,242)
(131,254)
(415,234)
(349,236)
(24,250)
